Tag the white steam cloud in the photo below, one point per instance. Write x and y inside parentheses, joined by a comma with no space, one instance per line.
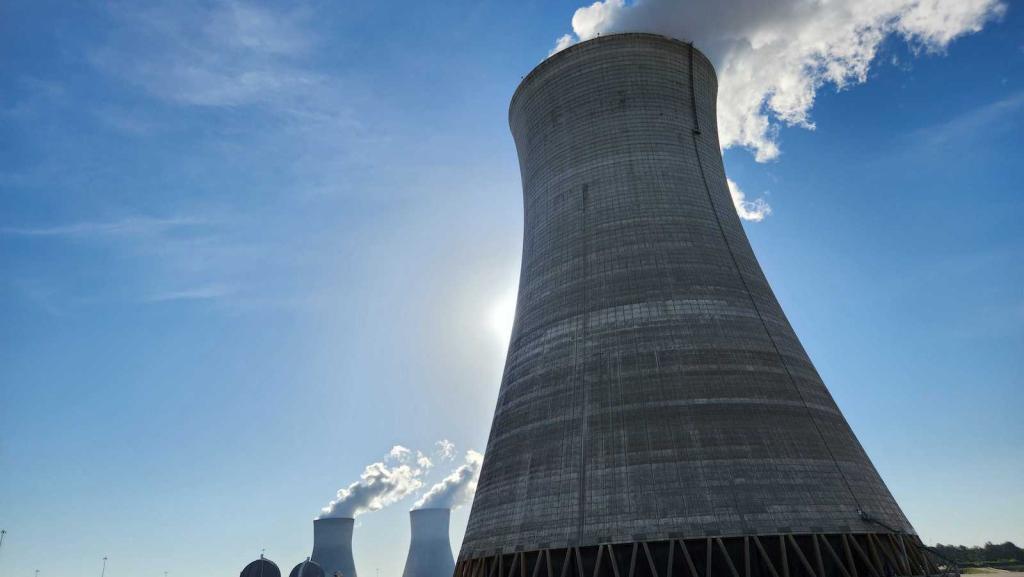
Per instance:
(457,488)
(773,56)
(445,449)
(754,210)
(423,460)
(381,484)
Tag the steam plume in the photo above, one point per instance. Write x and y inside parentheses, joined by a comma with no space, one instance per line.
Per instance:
(755,210)
(381,484)
(457,488)
(445,449)
(772,57)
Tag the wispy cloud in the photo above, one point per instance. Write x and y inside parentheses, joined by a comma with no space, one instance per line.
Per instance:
(210,292)
(254,116)
(39,95)
(124,121)
(984,119)
(127,226)
(445,450)
(251,62)
(224,54)
(187,258)
(41,295)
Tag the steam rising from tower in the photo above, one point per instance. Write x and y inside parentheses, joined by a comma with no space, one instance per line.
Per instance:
(457,488)
(381,484)
(772,57)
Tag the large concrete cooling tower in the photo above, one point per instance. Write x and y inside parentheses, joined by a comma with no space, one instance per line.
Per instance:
(430,549)
(332,546)
(657,414)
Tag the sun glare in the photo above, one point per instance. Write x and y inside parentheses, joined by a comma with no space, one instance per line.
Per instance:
(502,315)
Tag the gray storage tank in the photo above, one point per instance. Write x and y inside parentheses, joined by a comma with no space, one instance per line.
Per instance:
(261,567)
(307,568)
(657,414)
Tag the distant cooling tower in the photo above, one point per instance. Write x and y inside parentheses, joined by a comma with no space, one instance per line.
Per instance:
(332,546)
(430,550)
(658,416)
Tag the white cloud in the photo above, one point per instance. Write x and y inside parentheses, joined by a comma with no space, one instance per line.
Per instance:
(423,461)
(445,450)
(399,453)
(564,41)
(772,57)
(755,210)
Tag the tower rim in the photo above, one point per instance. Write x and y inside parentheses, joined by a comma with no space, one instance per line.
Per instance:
(565,52)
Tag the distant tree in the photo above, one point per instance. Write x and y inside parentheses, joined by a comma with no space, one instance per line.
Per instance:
(990,553)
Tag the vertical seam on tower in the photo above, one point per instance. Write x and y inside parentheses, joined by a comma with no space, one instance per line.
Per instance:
(746,288)
(581,368)
(696,121)
(700,166)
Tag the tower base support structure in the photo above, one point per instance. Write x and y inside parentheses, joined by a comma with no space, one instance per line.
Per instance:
(782,555)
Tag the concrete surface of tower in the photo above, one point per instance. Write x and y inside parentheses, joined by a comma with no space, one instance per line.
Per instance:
(657,413)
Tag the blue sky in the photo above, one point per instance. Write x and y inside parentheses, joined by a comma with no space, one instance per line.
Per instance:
(245,249)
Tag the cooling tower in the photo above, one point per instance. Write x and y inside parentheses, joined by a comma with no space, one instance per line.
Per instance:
(332,546)
(657,415)
(430,549)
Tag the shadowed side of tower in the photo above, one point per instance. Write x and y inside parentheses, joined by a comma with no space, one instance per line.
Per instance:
(656,404)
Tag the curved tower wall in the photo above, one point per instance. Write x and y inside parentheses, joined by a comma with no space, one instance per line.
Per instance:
(430,548)
(653,389)
(332,546)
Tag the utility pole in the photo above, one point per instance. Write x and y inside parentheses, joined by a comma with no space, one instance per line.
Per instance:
(104,571)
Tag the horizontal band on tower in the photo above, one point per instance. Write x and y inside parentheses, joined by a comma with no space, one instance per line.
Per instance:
(782,555)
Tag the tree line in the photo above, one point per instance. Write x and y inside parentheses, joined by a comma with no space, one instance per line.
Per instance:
(990,553)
